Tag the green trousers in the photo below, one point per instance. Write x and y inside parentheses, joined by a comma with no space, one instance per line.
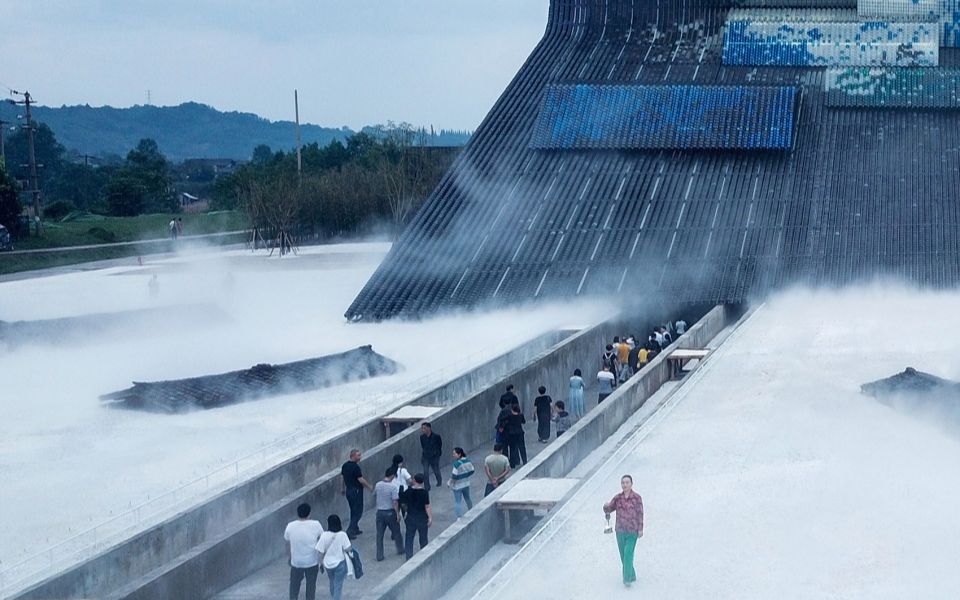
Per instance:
(627,542)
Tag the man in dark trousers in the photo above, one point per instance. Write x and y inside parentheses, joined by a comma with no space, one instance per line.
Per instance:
(513,429)
(388,511)
(432,446)
(508,398)
(543,412)
(352,484)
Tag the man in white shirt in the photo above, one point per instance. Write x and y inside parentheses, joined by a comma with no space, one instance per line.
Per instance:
(681,327)
(606,382)
(302,536)
(387,495)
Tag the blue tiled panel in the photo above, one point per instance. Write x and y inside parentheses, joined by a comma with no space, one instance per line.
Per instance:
(899,9)
(950,20)
(816,38)
(892,88)
(665,116)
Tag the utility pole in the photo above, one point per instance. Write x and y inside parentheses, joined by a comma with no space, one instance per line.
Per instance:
(34,180)
(296,110)
(3,152)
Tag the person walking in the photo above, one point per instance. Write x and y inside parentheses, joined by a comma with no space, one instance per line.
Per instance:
(575,396)
(543,412)
(629,508)
(419,514)
(432,446)
(351,486)
(513,431)
(387,496)
(334,548)
(497,467)
(460,481)
(623,361)
(562,418)
(302,536)
(609,360)
(606,381)
(508,397)
(681,327)
(403,480)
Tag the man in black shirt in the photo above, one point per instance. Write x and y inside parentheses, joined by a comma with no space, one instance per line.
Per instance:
(508,398)
(419,514)
(513,430)
(543,411)
(352,484)
(432,446)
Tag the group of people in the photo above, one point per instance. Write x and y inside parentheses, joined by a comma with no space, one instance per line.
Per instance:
(627,355)
(510,434)
(176,228)
(400,499)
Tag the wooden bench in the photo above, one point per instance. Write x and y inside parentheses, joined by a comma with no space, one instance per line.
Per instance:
(533,494)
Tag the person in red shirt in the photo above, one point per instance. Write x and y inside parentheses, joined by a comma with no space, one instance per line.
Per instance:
(629,508)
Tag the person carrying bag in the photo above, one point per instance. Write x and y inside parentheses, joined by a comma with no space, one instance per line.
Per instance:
(337,556)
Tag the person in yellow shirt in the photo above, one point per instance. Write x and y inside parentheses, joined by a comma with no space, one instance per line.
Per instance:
(643,357)
(623,358)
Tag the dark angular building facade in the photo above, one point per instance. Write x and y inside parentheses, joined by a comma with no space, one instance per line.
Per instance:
(703,151)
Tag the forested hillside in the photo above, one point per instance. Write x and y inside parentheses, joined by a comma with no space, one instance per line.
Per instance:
(190,130)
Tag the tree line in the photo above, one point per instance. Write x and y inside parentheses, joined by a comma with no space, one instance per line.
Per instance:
(374,178)
(371,180)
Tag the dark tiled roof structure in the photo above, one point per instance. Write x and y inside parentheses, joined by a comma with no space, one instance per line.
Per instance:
(705,150)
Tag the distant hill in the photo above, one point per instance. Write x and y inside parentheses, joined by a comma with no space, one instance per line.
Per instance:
(190,130)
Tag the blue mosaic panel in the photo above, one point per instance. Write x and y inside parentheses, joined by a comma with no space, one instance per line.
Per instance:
(826,38)
(665,116)
(950,21)
(921,10)
(892,88)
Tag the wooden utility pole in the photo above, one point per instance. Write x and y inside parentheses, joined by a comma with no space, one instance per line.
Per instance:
(296,110)
(34,179)
(3,152)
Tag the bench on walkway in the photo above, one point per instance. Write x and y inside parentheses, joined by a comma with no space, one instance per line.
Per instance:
(533,494)
(405,417)
(683,360)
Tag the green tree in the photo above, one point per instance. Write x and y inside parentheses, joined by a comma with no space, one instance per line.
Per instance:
(150,169)
(262,155)
(46,149)
(10,207)
(79,184)
(126,195)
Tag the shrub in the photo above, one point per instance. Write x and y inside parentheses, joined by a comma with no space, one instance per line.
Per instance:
(102,234)
(58,210)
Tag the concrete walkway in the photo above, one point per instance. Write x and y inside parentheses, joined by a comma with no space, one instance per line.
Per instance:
(273,581)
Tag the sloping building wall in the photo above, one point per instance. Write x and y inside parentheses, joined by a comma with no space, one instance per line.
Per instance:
(860,189)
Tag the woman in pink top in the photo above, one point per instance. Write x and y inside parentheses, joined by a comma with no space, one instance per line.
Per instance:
(629,508)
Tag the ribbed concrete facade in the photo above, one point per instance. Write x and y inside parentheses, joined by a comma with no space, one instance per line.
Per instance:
(862,188)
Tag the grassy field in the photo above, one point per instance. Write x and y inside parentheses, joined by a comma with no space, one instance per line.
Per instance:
(85,229)
(98,231)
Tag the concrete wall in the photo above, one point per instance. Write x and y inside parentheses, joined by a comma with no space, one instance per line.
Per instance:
(183,534)
(222,561)
(434,569)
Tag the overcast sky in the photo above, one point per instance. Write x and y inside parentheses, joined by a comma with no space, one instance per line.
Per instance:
(355,62)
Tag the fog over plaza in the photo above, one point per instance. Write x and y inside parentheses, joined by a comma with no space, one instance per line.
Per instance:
(55,434)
